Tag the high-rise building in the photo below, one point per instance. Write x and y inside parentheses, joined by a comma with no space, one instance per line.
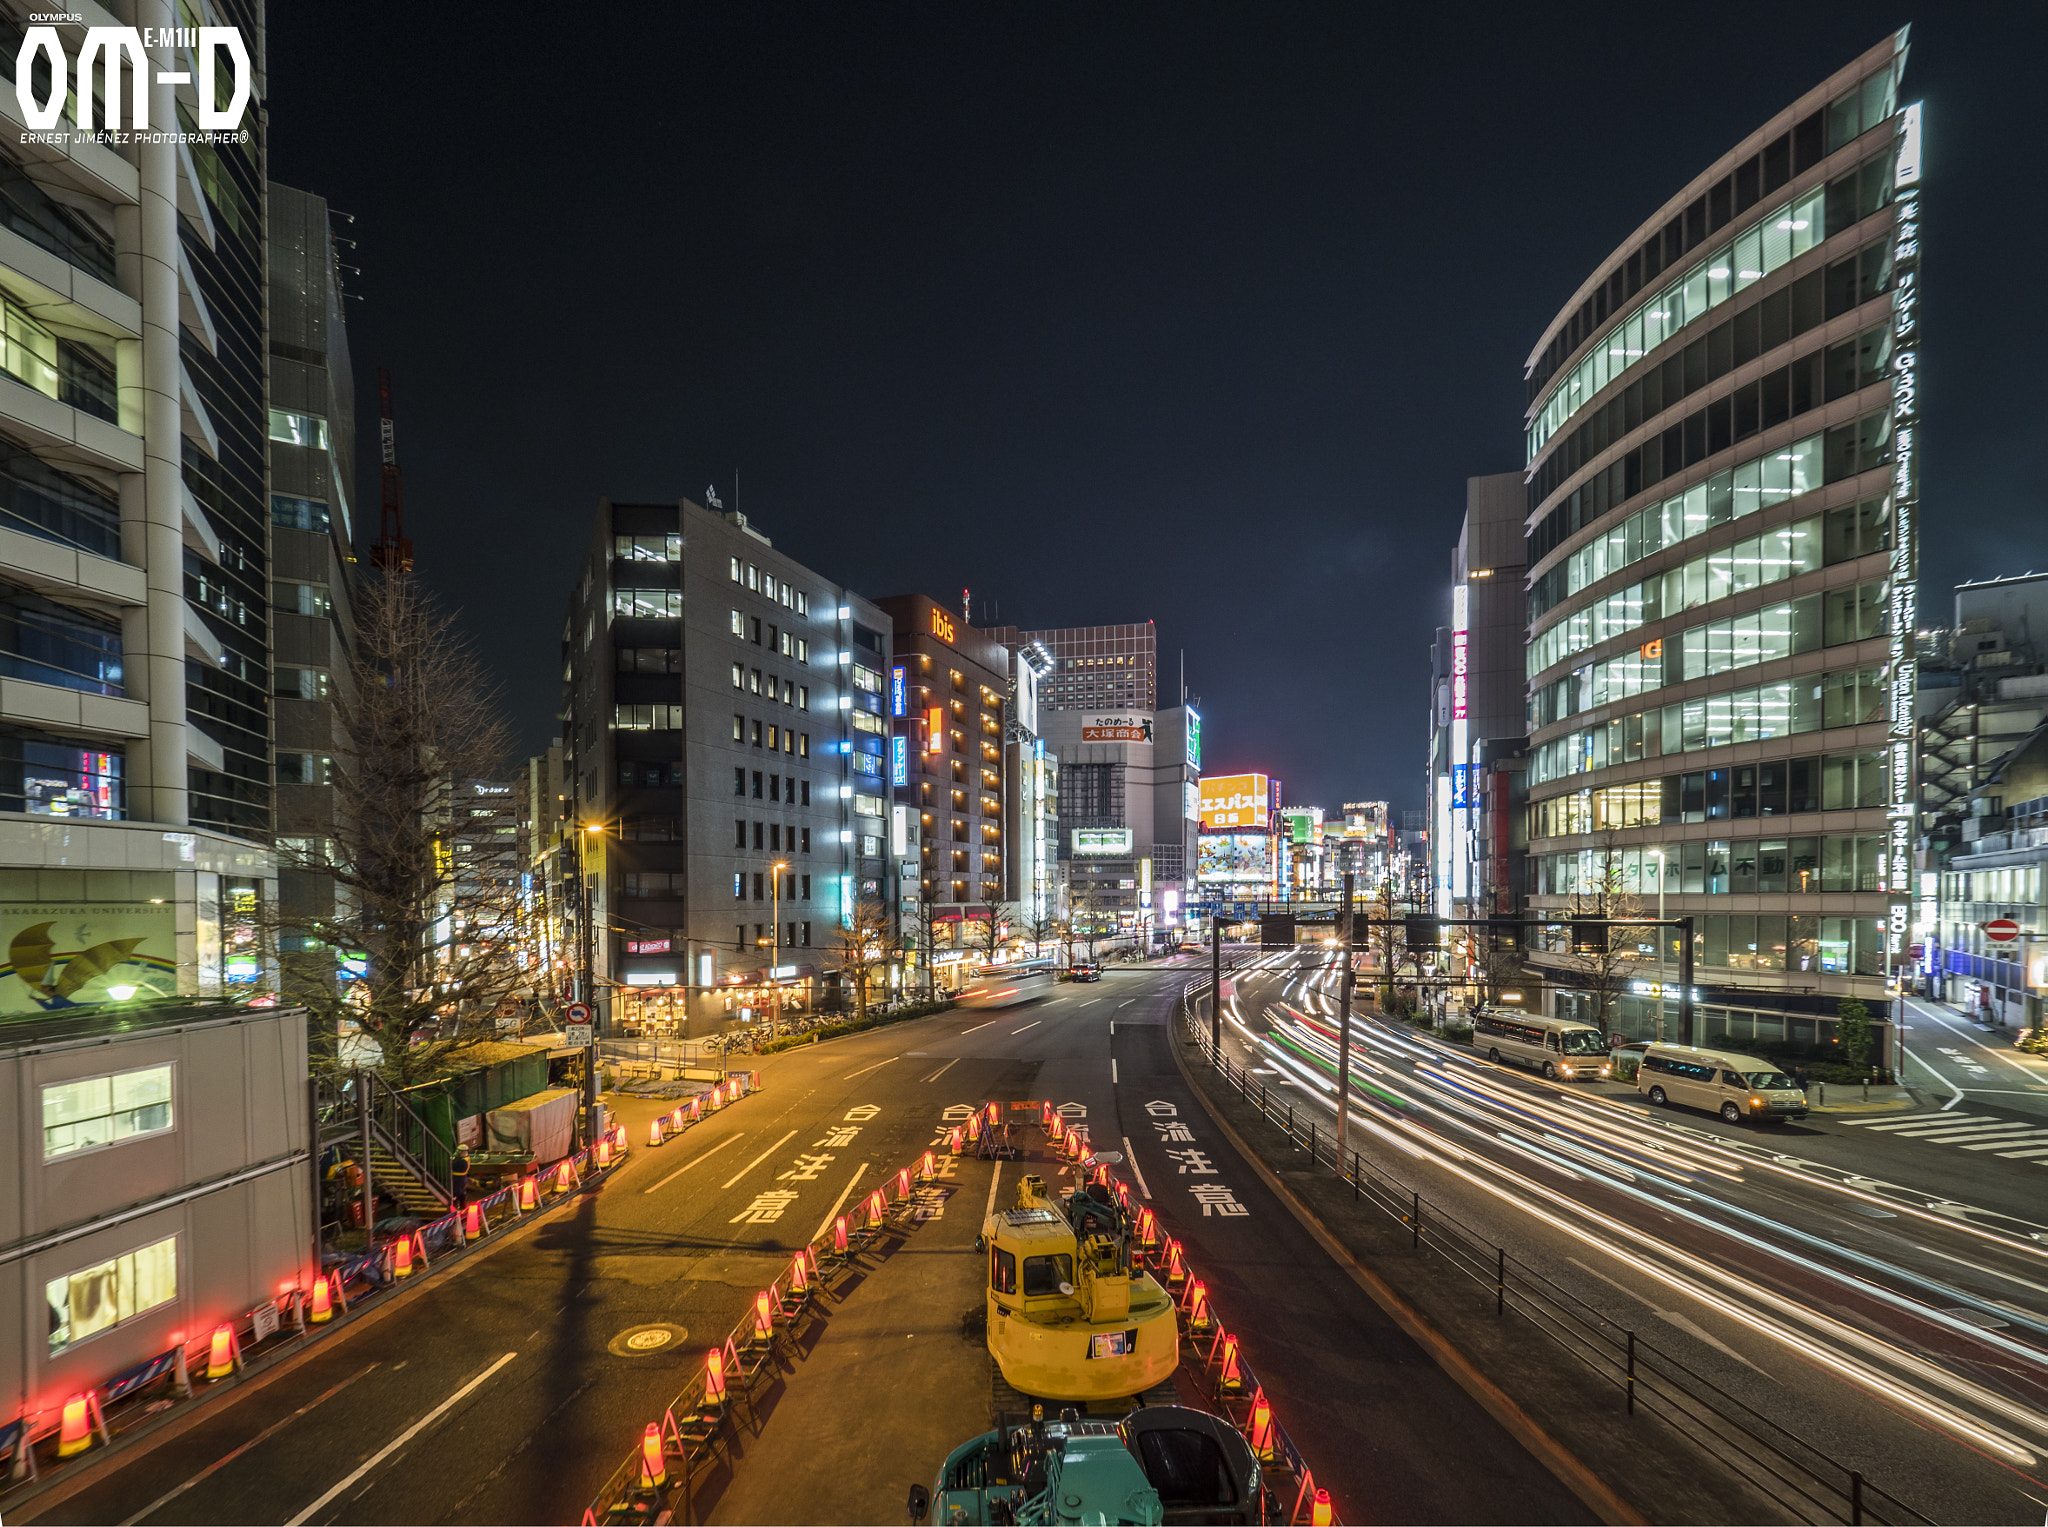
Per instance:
(1723,518)
(1103,668)
(726,716)
(135,652)
(313,565)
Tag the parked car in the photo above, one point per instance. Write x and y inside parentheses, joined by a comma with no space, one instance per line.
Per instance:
(1084,972)
(1737,1087)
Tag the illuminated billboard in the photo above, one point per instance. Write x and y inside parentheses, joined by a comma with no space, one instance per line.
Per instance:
(1235,858)
(1120,726)
(1102,840)
(1234,800)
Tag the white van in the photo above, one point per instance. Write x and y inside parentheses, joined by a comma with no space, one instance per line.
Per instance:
(1558,1047)
(1737,1087)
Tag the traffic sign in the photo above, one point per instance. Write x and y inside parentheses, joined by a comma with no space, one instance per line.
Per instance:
(576,1012)
(576,1035)
(1917,951)
(2001,930)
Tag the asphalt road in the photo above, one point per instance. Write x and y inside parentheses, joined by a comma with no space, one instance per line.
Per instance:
(1869,1282)
(1967,1064)
(506,1392)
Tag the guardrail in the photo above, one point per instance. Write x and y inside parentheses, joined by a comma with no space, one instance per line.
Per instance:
(1799,1474)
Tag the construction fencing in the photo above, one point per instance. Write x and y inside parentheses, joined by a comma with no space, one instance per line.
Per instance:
(1800,1475)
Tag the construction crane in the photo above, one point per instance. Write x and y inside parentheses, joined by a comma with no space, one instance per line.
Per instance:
(393,552)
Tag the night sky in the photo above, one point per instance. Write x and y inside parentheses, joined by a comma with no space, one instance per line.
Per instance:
(1112,312)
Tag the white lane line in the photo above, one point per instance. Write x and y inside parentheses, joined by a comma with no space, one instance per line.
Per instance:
(1034,1023)
(401,1440)
(993,1183)
(2031,1137)
(1127,1002)
(864,1070)
(948,1066)
(1112,1071)
(1132,1157)
(222,1462)
(831,1213)
(978,1027)
(703,1156)
(736,1176)
(1091,1002)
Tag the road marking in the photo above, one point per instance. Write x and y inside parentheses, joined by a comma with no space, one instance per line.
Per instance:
(948,1066)
(1112,1071)
(993,1183)
(826,1223)
(1034,1023)
(1132,1157)
(864,1070)
(1091,1002)
(1973,1132)
(222,1462)
(1684,1323)
(978,1027)
(1127,1002)
(1918,1121)
(2035,1150)
(402,1439)
(736,1176)
(702,1156)
(2021,1138)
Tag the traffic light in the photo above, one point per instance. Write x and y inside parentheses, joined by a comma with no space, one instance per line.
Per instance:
(1424,931)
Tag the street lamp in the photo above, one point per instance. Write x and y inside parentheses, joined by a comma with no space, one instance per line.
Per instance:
(1663,944)
(590,829)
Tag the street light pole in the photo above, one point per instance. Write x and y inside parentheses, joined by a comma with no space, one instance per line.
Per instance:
(1663,944)
(775,939)
(1344,1025)
(587,992)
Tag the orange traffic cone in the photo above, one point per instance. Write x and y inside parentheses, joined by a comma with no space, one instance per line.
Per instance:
(696,1109)
(1199,1318)
(954,1137)
(764,1321)
(323,1303)
(221,1357)
(1232,1380)
(1048,1118)
(654,1131)
(714,1377)
(839,1235)
(653,1466)
(1176,1269)
(473,1223)
(903,1183)
(675,1117)
(799,1274)
(974,1129)
(927,1168)
(877,1207)
(565,1176)
(1320,1514)
(1262,1427)
(1056,1126)
(75,1434)
(604,1153)
(529,1193)
(401,1258)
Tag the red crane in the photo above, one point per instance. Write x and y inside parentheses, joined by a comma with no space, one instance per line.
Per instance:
(393,552)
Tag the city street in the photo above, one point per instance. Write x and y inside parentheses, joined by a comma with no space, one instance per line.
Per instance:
(1965,1063)
(505,1392)
(1865,1280)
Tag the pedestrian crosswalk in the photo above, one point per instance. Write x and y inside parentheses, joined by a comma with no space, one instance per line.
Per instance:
(1971,1132)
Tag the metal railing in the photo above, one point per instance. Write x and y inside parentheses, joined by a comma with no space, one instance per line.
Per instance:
(1801,1476)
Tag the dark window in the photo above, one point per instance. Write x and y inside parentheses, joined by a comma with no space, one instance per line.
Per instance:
(48,643)
(759,880)
(757,784)
(1748,184)
(739,781)
(1809,301)
(1777,162)
(1695,222)
(739,835)
(1808,146)
(1044,1275)
(1002,1270)
(38,500)
(1187,1468)
(1746,401)
(759,829)
(1720,434)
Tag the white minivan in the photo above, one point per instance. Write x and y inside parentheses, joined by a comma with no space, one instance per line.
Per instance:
(1737,1087)
(1558,1047)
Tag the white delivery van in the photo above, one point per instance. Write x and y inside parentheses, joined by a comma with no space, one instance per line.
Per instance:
(1737,1087)
(1558,1047)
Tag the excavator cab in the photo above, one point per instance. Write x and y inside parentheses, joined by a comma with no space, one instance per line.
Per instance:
(1068,1319)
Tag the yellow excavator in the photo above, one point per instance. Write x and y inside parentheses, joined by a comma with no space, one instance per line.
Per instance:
(1069,1319)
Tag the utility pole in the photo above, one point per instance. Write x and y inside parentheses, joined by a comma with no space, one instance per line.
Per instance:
(586,992)
(1344,1025)
(1685,1015)
(1216,980)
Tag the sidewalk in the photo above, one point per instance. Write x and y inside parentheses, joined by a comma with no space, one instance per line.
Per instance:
(1848,1098)
(896,1377)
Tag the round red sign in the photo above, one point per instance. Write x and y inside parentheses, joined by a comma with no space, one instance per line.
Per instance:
(2001,930)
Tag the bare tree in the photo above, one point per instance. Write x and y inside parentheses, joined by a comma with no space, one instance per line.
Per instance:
(419,949)
(1599,960)
(1381,938)
(920,933)
(985,934)
(1041,929)
(864,945)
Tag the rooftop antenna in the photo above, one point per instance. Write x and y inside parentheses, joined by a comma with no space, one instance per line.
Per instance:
(393,552)
(967,605)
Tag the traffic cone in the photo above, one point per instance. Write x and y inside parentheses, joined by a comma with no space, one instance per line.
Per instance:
(1102,1173)
(1048,1118)
(954,1139)
(1056,1130)
(323,1303)
(927,1168)
(565,1176)
(1320,1514)
(877,1207)
(799,1274)
(473,1225)
(903,1183)
(1176,1269)
(714,1377)
(1232,1379)
(653,1466)
(1123,1194)
(654,1131)
(974,1130)
(529,1193)
(221,1357)
(1148,1229)
(604,1153)
(839,1235)
(696,1109)
(1199,1318)
(675,1118)
(75,1434)
(764,1321)
(1262,1427)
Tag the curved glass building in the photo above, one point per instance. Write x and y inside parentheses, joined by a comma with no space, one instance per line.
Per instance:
(1720,579)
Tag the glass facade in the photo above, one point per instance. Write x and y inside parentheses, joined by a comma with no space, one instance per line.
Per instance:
(1787,541)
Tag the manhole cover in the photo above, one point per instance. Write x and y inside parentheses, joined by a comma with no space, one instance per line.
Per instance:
(644,1341)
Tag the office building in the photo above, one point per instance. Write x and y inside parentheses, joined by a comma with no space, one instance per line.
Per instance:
(313,565)
(1094,668)
(725,734)
(1129,783)
(1031,795)
(1477,684)
(1722,522)
(1984,802)
(135,663)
